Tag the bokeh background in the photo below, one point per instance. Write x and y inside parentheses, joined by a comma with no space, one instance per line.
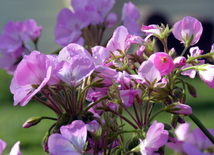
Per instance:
(45,13)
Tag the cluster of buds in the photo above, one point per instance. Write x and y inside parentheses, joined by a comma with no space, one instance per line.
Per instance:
(91,85)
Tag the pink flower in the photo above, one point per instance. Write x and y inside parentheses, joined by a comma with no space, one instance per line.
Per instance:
(32,30)
(163,62)
(9,63)
(111,20)
(156,137)
(148,72)
(182,133)
(150,30)
(127,96)
(68,26)
(31,75)
(12,38)
(71,140)
(194,52)
(130,16)
(119,41)
(184,29)
(74,71)
(180,61)
(207,75)
(97,9)
(15,150)
(2,146)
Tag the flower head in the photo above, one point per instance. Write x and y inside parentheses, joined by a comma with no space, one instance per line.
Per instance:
(188,30)
(163,62)
(156,137)
(71,140)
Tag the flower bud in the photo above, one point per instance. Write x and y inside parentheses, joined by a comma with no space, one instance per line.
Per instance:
(178,108)
(192,90)
(45,141)
(174,120)
(180,61)
(31,122)
(172,52)
(140,50)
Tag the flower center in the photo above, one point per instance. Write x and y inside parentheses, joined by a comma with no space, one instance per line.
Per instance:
(164,59)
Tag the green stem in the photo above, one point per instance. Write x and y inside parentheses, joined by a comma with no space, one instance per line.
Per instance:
(124,118)
(200,56)
(103,98)
(186,47)
(202,127)
(158,112)
(147,107)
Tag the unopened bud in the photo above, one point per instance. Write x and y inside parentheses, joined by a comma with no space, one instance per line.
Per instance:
(180,61)
(31,122)
(179,108)
(181,120)
(172,52)
(45,141)
(140,50)
(192,90)
(174,120)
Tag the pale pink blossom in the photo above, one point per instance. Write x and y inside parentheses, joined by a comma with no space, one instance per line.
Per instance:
(71,140)
(119,41)
(68,26)
(74,71)
(12,38)
(111,20)
(130,16)
(163,62)
(97,9)
(32,30)
(187,27)
(2,146)
(156,137)
(194,52)
(32,74)
(15,150)
(151,30)
(180,61)
(207,75)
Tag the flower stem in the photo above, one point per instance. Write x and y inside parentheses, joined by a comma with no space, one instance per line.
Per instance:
(202,127)
(103,98)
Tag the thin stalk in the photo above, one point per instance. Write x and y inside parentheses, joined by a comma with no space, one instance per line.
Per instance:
(124,107)
(150,111)
(53,102)
(73,102)
(54,95)
(124,118)
(186,47)
(147,107)
(158,112)
(90,106)
(67,100)
(106,141)
(136,113)
(44,103)
(51,118)
(202,127)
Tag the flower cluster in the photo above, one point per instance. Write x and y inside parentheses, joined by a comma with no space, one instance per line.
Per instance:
(91,84)
(191,143)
